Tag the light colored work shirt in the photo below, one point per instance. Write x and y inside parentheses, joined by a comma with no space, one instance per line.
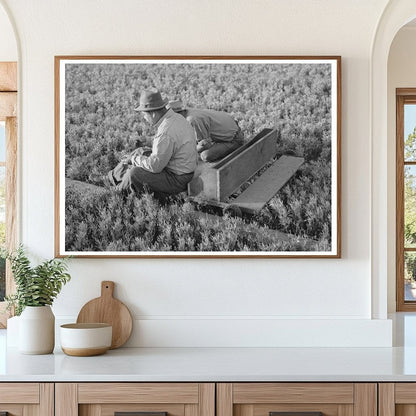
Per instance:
(211,124)
(174,147)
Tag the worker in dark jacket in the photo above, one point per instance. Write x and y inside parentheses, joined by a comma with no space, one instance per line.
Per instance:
(217,133)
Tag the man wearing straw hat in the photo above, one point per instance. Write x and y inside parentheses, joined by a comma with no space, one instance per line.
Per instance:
(170,164)
(217,133)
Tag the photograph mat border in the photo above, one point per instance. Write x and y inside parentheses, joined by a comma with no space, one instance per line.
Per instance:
(335,61)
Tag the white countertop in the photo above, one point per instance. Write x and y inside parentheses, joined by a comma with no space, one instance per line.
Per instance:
(215,364)
(221,364)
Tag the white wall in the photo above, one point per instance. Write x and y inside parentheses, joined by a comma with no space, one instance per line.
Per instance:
(401,74)
(8,46)
(211,301)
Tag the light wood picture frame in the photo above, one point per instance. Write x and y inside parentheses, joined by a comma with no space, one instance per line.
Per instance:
(278,195)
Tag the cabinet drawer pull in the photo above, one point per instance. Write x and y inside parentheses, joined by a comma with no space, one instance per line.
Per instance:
(295,413)
(139,414)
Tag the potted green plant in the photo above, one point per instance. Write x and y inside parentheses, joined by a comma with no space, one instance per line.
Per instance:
(36,289)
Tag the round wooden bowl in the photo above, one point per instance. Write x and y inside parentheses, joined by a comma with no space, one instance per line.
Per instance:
(84,340)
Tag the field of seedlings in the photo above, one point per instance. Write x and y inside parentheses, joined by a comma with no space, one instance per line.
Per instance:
(101,126)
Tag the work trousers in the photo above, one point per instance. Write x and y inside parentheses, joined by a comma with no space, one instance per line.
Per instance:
(132,178)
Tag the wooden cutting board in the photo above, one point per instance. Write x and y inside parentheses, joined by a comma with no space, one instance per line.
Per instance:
(108,310)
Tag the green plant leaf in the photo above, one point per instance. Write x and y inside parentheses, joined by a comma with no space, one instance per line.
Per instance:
(35,286)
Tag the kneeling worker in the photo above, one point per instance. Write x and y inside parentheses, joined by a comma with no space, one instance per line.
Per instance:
(217,133)
(173,158)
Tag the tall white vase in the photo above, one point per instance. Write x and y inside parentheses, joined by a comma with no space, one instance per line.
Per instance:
(37,330)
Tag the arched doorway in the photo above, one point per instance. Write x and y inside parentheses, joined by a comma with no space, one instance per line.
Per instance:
(395,16)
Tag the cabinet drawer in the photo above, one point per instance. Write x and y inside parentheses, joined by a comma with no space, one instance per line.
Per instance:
(150,399)
(138,393)
(397,399)
(19,393)
(309,399)
(21,399)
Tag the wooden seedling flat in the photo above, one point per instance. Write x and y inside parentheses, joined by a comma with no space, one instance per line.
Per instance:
(256,196)
(235,172)
(218,181)
(204,182)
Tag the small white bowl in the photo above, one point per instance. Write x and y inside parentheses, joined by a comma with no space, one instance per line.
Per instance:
(83,340)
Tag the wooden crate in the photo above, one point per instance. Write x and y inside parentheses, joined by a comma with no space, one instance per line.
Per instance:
(260,192)
(217,181)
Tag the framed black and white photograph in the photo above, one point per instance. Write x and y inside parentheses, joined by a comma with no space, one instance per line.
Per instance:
(198,156)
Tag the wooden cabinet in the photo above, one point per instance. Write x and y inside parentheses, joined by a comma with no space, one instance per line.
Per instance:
(331,399)
(208,399)
(27,399)
(397,399)
(105,399)
(221,399)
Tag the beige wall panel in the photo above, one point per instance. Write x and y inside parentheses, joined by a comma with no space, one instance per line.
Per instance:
(286,27)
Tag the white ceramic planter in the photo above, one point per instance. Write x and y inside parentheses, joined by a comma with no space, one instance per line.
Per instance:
(37,330)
